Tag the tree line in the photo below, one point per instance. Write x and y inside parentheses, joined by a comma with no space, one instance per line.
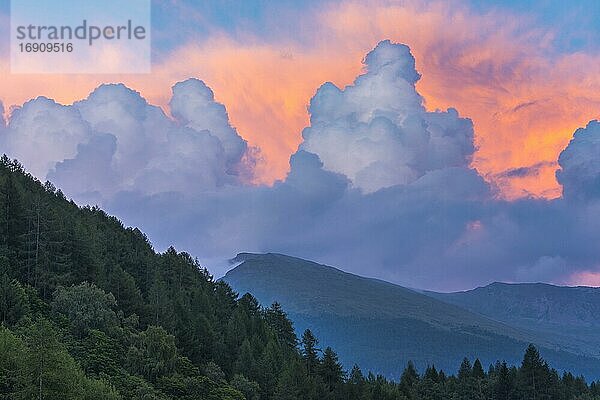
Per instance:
(88,310)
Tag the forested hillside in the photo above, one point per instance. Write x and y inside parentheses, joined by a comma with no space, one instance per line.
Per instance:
(89,311)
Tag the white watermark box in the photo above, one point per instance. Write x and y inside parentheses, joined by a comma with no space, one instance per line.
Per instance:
(76,36)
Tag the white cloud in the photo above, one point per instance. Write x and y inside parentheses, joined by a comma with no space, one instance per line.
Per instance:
(193,105)
(115,141)
(154,154)
(580,164)
(377,132)
(42,132)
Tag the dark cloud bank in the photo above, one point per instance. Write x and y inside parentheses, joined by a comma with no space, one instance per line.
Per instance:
(379,186)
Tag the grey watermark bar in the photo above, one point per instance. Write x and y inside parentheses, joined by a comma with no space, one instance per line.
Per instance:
(92,36)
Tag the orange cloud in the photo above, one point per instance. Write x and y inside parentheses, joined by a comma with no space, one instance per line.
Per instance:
(525,101)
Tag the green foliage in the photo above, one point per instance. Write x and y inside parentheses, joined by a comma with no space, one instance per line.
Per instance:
(38,366)
(250,389)
(309,351)
(86,306)
(465,371)
(153,353)
(409,379)
(12,362)
(280,323)
(478,370)
(13,301)
(331,371)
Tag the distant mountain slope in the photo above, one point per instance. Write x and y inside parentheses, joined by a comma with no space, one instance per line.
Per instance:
(567,316)
(381,326)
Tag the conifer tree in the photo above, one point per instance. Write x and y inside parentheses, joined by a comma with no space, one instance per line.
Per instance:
(533,376)
(503,385)
(431,374)
(330,370)
(310,351)
(409,378)
(278,320)
(478,372)
(465,371)
(13,301)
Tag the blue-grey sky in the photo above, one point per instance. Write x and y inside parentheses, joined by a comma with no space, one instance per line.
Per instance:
(427,143)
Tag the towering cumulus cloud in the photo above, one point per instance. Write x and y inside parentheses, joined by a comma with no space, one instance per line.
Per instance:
(379,186)
(377,132)
(115,141)
(193,105)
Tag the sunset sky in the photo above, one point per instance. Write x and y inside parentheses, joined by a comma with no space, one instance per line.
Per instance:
(526,73)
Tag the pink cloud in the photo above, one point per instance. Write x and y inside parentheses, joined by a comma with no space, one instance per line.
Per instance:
(584,278)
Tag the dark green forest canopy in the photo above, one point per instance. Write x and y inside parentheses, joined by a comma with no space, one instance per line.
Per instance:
(89,310)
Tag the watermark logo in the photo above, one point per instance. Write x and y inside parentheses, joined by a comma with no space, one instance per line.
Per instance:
(91,36)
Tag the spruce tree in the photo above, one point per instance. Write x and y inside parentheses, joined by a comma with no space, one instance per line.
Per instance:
(478,372)
(431,373)
(13,301)
(310,351)
(409,379)
(282,325)
(533,376)
(503,385)
(465,370)
(330,370)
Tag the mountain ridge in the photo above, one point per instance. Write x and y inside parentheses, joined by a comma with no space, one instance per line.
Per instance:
(348,311)
(253,256)
(566,315)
